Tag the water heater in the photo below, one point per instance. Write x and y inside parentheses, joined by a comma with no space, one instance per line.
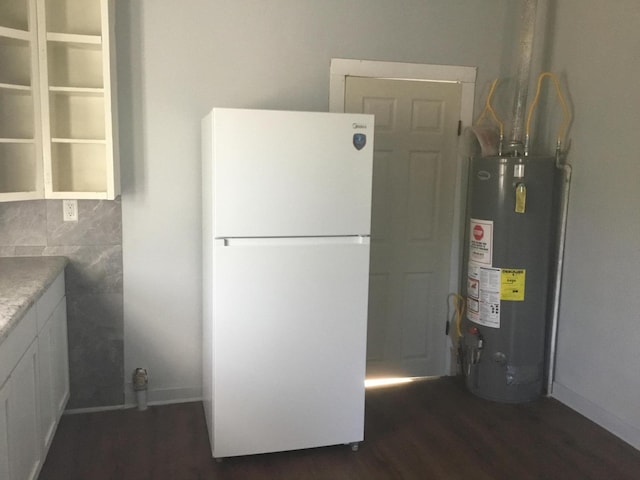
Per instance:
(509,245)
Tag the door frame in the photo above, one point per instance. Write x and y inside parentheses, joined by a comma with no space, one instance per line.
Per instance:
(342,68)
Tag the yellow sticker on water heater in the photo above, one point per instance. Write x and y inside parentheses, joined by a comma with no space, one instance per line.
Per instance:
(512,284)
(521,198)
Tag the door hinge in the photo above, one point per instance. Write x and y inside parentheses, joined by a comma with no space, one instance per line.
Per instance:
(459,127)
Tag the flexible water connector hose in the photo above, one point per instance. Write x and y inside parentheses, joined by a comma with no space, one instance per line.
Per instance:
(562,131)
(458,311)
(489,108)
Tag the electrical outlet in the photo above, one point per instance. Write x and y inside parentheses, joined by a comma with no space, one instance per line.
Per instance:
(70,210)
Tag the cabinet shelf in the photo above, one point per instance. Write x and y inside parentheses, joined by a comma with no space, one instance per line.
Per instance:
(74,38)
(15,33)
(86,141)
(81,91)
(13,86)
(17,140)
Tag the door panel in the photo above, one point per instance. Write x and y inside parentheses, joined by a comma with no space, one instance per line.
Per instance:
(417,288)
(412,220)
(378,311)
(422,195)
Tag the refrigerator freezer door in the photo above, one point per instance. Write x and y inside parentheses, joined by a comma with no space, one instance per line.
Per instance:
(289,341)
(284,174)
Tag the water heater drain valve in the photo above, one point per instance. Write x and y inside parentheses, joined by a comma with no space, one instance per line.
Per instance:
(474,345)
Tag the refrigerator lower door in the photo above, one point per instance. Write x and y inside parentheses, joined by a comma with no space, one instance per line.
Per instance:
(289,342)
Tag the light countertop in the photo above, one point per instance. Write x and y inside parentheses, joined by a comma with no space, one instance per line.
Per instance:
(23,280)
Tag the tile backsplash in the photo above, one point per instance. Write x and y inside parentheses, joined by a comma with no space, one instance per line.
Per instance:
(93,277)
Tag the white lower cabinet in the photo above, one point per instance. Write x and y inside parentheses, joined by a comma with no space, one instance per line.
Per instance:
(34,385)
(25,453)
(4,431)
(54,372)
(45,383)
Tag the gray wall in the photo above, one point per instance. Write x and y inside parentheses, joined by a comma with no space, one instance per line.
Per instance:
(93,277)
(176,61)
(596,49)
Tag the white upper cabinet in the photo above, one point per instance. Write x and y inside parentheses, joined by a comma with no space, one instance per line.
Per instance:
(71,83)
(20,132)
(77,72)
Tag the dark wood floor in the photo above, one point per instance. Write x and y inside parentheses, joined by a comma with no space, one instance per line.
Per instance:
(430,429)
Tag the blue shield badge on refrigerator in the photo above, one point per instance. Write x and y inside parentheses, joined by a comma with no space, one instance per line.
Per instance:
(359,140)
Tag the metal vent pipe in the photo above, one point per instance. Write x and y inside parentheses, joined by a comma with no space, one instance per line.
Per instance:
(524,68)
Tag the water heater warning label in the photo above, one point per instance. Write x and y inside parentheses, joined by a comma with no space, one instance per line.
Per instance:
(512,284)
(483,295)
(481,241)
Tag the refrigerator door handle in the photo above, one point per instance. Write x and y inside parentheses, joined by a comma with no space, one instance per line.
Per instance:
(287,241)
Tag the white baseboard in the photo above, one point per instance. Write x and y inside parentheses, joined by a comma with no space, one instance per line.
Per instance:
(75,411)
(595,413)
(164,402)
(164,396)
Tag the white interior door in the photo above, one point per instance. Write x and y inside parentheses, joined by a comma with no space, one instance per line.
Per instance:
(414,184)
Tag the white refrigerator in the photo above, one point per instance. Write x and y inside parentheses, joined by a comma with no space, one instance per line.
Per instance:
(286,225)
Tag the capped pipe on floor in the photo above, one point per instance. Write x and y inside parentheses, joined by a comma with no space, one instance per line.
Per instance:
(140,380)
